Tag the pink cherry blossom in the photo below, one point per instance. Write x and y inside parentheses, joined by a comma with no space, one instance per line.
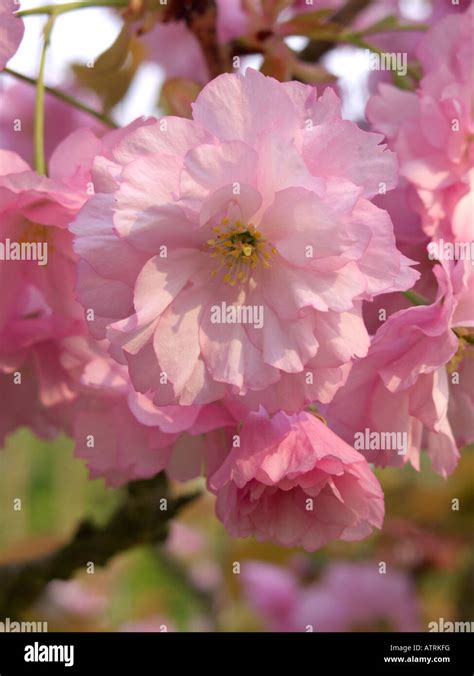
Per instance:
(17,102)
(356,596)
(37,381)
(349,596)
(260,204)
(123,436)
(11,31)
(273,591)
(35,212)
(413,243)
(293,481)
(403,385)
(21,404)
(72,598)
(403,42)
(40,315)
(39,311)
(431,129)
(115,445)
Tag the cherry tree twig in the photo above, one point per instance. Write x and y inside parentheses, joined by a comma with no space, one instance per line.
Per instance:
(62,96)
(201,19)
(71,7)
(345,16)
(40,161)
(139,520)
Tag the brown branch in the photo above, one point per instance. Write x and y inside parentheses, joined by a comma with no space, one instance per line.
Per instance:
(138,521)
(201,19)
(344,17)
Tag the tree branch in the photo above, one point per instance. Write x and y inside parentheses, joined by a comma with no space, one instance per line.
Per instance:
(71,6)
(201,19)
(62,96)
(140,520)
(345,16)
(40,161)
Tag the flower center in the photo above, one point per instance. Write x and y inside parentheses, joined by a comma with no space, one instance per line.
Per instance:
(239,249)
(36,233)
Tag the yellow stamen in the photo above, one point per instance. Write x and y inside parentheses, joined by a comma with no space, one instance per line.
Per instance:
(240,248)
(465,338)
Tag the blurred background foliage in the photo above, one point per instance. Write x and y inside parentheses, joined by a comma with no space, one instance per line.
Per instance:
(191,584)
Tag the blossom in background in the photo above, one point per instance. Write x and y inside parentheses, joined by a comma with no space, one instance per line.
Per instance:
(291,480)
(12,29)
(193,548)
(17,107)
(431,129)
(260,202)
(72,598)
(405,382)
(272,591)
(348,597)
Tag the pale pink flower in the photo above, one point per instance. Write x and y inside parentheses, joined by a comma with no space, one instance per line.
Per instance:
(123,436)
(293,481)
(431,129)
(39,316)
(11,31)
(413,243)
(36,388)
(35,212)
(39,312)
(114,444)
(22,385)
(261,202)
(461,400)
(403,385)
(461,367)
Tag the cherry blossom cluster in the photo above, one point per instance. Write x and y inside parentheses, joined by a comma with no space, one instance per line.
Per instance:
(247,293)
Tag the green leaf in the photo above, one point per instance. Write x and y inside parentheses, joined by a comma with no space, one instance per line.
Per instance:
(112,73)
(177,95)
